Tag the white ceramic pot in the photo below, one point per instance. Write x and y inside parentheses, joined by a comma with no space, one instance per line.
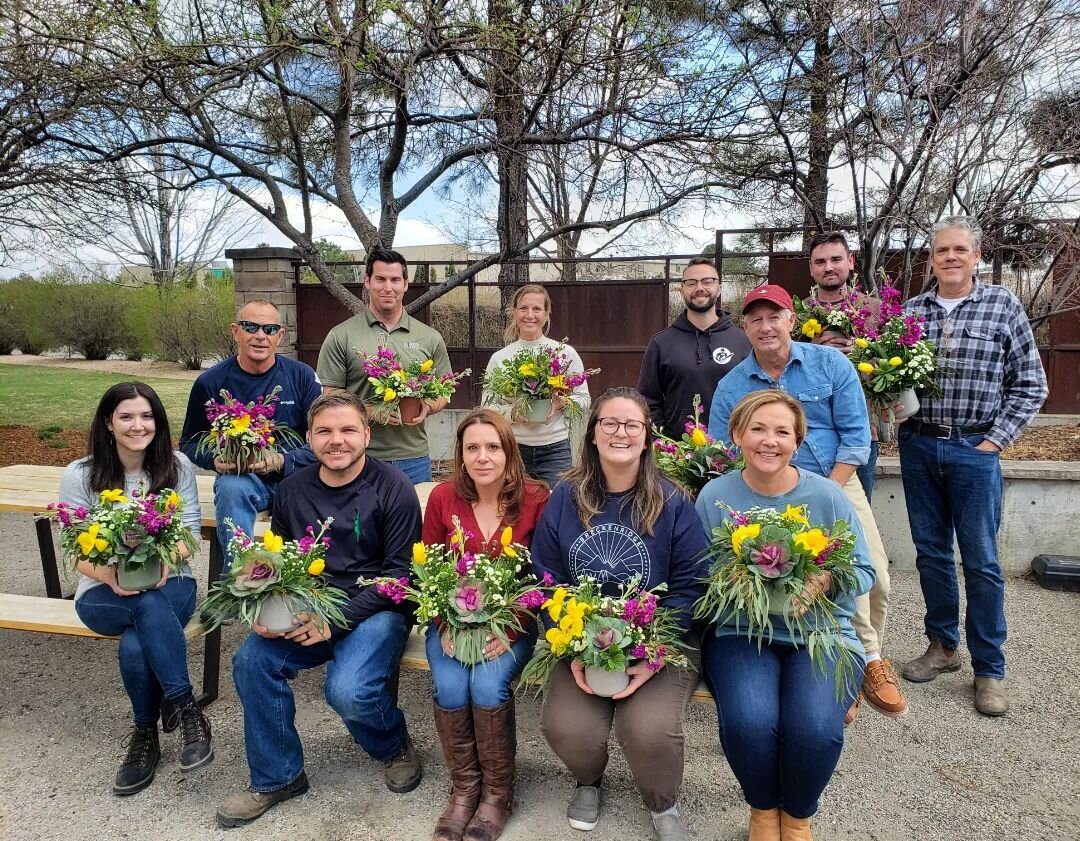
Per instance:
(276,614)
(908,404)
(142,577)
(605,683)
(539,411)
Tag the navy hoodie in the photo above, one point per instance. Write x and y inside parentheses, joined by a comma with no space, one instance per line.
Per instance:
(682,361)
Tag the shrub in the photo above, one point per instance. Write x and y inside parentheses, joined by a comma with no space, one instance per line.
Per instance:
(142,309)
(27,309)
(192,324)
(92,318)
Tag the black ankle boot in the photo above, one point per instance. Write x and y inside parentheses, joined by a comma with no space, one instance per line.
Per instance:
(141,761)
(198,748)
(170,716)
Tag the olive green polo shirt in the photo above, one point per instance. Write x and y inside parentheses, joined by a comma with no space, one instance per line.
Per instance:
(340,367)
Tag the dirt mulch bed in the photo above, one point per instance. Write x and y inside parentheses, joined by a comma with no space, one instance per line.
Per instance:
(1038,443)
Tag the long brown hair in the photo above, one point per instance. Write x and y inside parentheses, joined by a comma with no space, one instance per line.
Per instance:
(159,463)
(512,494)
(510,334)
(589,489)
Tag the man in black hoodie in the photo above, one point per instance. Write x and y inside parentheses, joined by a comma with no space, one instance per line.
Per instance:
(691,356)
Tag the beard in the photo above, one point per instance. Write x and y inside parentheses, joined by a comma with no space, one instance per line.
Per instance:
(834,282)
(705,306)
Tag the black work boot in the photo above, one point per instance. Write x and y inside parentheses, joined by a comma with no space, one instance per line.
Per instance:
(170,716)
(198,748)
(143,755)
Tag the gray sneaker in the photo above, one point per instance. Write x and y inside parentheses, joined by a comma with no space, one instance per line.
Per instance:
(670,828)
(584,810)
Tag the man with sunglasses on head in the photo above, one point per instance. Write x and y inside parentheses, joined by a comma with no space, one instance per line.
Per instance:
(689,358)
(243,490)
(992,384)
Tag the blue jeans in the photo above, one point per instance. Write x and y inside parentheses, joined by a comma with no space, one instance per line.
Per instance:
(951,487)
(781,726)
(417,469)
(359,664)
(484,685)
(239,497)
(153,651)
(547,462)
(866,472)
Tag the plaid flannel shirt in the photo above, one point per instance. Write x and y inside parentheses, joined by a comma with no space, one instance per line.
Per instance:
(989,370)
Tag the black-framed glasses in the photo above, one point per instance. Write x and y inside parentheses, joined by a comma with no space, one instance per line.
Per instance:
(254,327)
(703,282)
(610,425)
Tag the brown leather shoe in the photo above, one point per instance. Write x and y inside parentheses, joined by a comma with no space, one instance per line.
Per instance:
(455,729)
(852,711)
(881,688)
(936,660)
(794,829)
(991,696)
(404,771)
(764,825)
(245,806)
(496,747)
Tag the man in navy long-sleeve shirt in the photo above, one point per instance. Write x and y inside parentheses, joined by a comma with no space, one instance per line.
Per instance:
(376,520)
(241,491)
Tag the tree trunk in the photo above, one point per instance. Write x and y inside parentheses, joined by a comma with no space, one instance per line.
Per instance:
(819,146)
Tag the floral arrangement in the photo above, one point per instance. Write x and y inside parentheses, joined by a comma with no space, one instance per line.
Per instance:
(894,357)
(394,382)
(275,567)
(242,433)
(848,316)
(606,632)
(470,595)
(146,527)
(696,457)
(762,558)
(533,374)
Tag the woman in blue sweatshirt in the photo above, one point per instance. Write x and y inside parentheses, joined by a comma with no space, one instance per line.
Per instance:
(781,724)
(615,518)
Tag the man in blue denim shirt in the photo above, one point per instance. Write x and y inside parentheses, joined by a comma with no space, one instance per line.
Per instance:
(837,444)
(991,386)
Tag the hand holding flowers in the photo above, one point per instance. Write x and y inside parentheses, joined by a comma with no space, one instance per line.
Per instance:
(393,382)
(244,436)
(536,374)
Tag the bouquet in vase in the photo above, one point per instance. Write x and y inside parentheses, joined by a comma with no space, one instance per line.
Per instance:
(399,389)
(696,457)
(762,558)
(141,535)
(470,595)
(895,360)
(273,581)
(607,633)
(243,433)
(528,381)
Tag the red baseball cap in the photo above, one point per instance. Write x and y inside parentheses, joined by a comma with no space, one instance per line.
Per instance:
(770,292)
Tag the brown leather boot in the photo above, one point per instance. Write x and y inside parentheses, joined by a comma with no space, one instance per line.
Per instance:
(496,744)
(764,825)
(794,829)
(455,729)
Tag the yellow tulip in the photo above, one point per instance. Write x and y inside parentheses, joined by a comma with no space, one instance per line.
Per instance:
(813,542)
(865,368)
(862,344)
(419,554)
(427,365)
(172,500)
(272,543)
(743,533)
(528,369)
(795,514)
(389,395)
(812,328)
(507,540)
(316,567)
(89,541)
(896,362)
(115,495)
(699,438)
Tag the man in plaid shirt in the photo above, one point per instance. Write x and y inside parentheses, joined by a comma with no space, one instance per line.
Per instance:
(992,384)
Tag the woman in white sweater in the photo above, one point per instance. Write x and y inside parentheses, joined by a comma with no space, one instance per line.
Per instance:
(545,446)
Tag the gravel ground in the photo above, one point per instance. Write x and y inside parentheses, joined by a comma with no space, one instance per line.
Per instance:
(943,772)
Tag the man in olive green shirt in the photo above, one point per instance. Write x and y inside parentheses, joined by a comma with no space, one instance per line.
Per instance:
(385,323)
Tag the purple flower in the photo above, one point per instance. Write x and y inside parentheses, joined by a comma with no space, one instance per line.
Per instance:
(531,600)
(604,638)
(639,652)
(469,598)
(465,563)
(256,575)
(772,559)
(393,590)
(548,579)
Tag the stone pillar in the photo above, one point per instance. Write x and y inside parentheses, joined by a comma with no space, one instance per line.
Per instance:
(268,273)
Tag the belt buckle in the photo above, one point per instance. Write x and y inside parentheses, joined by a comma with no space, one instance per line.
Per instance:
(945,432)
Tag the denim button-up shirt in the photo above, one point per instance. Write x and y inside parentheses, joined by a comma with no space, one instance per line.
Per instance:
(825,382)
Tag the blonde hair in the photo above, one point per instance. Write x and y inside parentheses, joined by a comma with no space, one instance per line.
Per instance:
(510,334)
(745,408)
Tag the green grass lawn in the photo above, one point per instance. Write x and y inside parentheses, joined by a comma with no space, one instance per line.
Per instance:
(67,398)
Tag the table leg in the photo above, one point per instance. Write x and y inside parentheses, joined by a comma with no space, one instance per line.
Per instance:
(48,558)
(212,641)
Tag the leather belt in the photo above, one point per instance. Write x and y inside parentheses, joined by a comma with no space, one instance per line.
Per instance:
(933,430)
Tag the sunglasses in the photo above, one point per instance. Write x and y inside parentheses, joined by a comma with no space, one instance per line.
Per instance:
(253,328)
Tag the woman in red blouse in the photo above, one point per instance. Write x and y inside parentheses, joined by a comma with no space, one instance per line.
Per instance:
(474,707)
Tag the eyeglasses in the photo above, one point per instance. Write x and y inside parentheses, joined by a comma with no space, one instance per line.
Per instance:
(703,282)
(253,328)
(633,427)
